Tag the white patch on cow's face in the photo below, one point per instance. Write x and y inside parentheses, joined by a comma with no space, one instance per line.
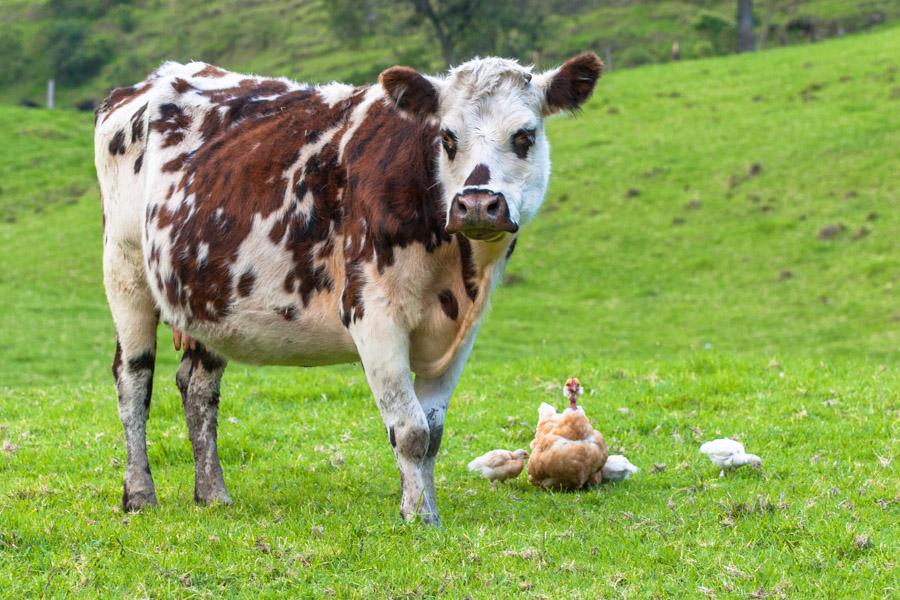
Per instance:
(484,105)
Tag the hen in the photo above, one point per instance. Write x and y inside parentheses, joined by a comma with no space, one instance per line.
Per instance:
(499,465)
(567,453)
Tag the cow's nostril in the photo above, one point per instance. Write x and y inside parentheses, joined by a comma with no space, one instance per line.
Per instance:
(493,207)
(461,209)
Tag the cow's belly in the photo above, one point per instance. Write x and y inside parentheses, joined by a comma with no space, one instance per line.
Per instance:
(307,341)
(256,334)
(248,300)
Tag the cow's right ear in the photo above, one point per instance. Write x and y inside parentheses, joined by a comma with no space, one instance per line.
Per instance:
(410,91)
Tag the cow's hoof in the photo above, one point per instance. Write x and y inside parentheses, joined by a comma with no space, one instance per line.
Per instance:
(428,518)
(210,497)
(134,500)
(432,519)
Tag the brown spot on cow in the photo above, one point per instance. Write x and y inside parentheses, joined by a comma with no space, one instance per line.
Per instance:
(175,165)
(120,96)
(469,272)
(117,361)
(449,304)
(511,248)
(480,175)
(138,162)
(137,124)
(288,313)
(210,71)
(181,85)
(352,306)
(173,123)
(245,284)
(117,143)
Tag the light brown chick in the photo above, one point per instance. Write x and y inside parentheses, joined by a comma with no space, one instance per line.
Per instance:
(499,465)
(567,452)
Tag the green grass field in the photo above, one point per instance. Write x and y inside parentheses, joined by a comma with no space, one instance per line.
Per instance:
(691,291)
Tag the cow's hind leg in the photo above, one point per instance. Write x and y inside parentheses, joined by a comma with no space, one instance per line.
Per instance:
(136,318)
(198,379)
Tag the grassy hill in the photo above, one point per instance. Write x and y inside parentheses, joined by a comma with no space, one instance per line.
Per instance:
(122,40)
(704,219)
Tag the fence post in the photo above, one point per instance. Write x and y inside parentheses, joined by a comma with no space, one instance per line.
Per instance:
(51,93)
(608,58)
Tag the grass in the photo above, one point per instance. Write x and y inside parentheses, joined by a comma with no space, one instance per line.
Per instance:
(820,520)
(661,272)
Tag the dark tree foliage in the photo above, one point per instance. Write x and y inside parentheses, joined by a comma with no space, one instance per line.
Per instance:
(81,9)
(73,53)
(460,28)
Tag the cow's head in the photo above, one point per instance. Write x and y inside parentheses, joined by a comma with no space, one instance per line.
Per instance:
(495,162)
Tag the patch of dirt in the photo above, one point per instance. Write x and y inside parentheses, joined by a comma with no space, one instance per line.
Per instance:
(512,279)
(862,232)
(832,231)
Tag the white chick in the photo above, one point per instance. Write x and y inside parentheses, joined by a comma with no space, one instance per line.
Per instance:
(729,454)
(499,465)
(618,468)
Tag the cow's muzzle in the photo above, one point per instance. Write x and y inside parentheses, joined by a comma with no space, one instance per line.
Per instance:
(480,215)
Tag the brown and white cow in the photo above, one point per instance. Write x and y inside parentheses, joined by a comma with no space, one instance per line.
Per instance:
(281,223)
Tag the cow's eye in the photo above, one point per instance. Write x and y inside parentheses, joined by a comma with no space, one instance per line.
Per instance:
(448,139)
(522,140)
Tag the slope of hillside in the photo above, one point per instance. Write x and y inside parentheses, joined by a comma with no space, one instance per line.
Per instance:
(704,218)
(125,39)
(690,208)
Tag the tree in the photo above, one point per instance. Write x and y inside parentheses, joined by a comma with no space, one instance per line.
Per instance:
(460,28)
(746,40)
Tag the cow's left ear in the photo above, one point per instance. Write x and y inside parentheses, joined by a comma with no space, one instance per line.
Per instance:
(567,87)
(410,91)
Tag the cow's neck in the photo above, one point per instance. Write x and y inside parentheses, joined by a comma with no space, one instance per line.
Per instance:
(487,256)
(489,260)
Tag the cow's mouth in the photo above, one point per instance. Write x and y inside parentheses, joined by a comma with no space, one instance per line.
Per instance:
(483,235)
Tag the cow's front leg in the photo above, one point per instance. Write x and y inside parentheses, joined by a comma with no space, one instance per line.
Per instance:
(384,351)
(434,396)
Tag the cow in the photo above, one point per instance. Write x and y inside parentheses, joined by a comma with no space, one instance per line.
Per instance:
(278,223)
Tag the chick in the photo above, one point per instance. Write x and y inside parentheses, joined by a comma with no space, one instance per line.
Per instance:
(618,468)
(567,453)
(729,454)
(499,465)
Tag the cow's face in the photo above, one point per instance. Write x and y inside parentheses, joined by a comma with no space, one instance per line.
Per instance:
(494,163)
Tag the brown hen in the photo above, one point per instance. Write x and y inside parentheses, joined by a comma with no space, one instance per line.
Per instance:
(567,453)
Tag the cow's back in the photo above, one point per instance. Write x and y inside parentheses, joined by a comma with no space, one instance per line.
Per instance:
(230,185)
